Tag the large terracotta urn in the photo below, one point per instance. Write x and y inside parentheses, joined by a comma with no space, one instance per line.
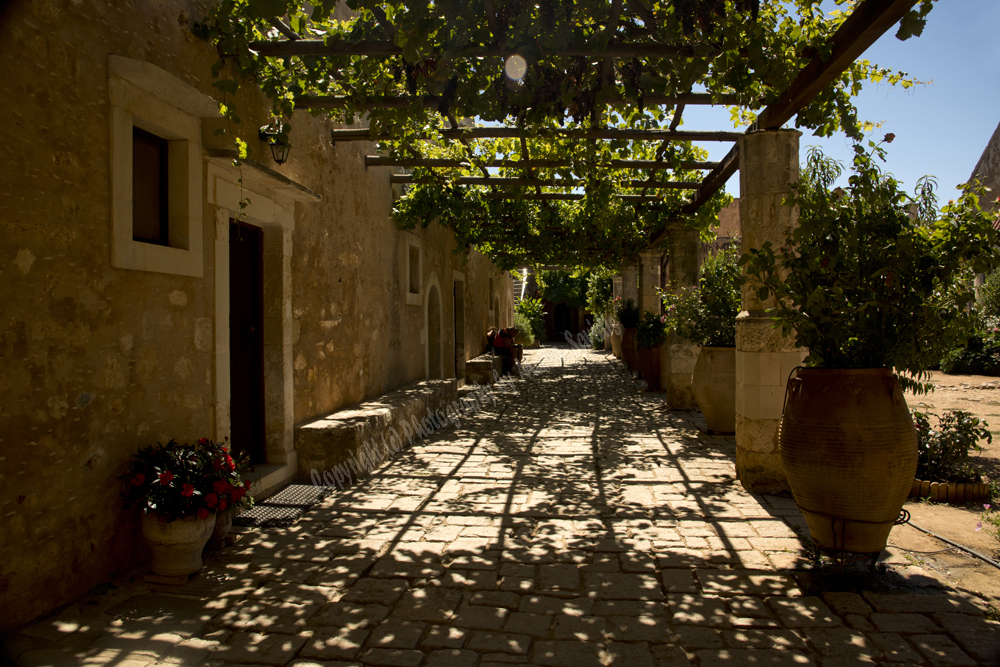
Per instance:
(849,450)
(628,347)
(648,365)
(177,544)
(714,385)
(616,340)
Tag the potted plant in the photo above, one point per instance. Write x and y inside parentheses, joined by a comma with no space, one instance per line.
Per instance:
(628,316)
(707,316)
(649,335)
(871,282)
(180,489)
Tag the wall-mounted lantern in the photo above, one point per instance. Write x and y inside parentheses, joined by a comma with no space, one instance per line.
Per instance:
(279,148)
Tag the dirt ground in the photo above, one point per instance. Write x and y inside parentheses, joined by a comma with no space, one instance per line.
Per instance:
(909,547)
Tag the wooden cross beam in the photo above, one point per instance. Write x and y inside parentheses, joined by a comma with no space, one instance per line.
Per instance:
(380,161)
(317,47)
(514,133)
(550,183)
(869,21)
(433,101)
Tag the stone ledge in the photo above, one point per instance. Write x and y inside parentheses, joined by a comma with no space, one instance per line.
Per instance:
(330,440)
(482,368)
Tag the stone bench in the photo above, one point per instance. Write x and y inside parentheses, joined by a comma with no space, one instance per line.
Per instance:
(325,443)
(481,369)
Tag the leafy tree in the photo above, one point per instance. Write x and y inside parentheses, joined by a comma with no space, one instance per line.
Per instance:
(861,282)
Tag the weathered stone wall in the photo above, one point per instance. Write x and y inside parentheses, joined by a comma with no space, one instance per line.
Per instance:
(97,361)
(987,170)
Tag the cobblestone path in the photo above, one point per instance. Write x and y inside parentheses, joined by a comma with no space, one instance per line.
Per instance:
(575,524)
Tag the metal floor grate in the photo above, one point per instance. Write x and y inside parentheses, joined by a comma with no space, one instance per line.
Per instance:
(269,516)
(298,495)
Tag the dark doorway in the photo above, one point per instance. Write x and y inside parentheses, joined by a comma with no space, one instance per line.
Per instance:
(246,339)
(459,302)
(434,370)
(561,321)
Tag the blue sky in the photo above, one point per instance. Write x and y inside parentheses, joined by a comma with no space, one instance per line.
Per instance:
(942,127)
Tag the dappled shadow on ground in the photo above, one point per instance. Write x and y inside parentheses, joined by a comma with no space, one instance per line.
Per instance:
(575,522)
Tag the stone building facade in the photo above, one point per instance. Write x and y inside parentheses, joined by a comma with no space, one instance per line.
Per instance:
(314,301)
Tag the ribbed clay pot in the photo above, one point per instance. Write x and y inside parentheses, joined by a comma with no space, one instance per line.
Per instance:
(177,544)
(616,342)
(628,348)
(714,385)
(849,451)
(648,365)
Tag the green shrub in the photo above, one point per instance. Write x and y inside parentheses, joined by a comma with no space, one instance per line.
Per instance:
(943,453)
(525,334)
(651,331)
(628,314)
(599,293)
(564,287)
(597,334)
(979,356)
(534,312)
(988,299)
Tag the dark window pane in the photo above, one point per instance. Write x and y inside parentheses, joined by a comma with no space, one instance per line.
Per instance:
(149,187)
(414,269)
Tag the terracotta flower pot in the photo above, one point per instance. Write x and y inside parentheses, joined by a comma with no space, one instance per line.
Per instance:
(849,451)
(648,365)
(628,348)
(177,544)
(714,385)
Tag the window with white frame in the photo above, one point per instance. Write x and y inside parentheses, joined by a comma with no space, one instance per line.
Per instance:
(156,169)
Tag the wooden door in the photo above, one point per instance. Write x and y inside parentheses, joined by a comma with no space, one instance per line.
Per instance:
(246,340)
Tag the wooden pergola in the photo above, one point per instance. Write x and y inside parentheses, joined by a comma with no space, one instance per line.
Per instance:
(869,21)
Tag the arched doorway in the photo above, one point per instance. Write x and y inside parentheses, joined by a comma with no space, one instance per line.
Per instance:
(433,333)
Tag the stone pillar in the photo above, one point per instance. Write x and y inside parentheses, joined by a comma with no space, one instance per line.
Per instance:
(649,281)
(769,163)
(679,355)
(616,285)
(630,284)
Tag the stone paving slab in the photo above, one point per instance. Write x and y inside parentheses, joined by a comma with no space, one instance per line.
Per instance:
(576,522)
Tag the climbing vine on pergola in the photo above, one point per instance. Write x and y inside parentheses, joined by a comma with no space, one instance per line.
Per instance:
(551,132)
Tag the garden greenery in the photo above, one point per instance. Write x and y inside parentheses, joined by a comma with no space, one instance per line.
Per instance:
(600,291)
(628,314)
(862,282)
(569,287)
(943,449)
(533,310)
(453,52)
(706,315)
(651,331)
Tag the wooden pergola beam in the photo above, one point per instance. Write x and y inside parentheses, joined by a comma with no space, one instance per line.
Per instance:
(376,48)
(515,133)
(554,196)
(433,101)
(533,182)
(869,21)
(380,161)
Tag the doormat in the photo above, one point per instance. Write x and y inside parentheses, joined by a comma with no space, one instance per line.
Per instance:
(284,508)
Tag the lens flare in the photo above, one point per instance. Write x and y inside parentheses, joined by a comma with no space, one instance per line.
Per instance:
(515,67)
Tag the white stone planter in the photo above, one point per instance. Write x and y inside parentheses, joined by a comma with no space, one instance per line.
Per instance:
(176,545)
